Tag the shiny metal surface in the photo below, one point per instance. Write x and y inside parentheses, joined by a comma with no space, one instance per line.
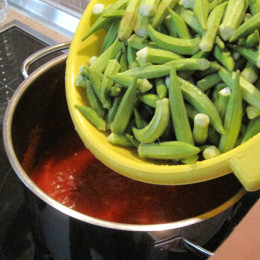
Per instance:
(28,182)
(52,16)
(41,53)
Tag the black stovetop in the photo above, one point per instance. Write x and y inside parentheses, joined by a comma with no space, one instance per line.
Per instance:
(17,240)
(17,42)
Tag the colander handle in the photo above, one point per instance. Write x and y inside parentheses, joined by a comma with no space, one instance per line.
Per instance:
(41,53)
(246,166)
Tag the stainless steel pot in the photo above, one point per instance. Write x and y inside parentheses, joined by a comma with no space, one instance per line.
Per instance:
(44,92)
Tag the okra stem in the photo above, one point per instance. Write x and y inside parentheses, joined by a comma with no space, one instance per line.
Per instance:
(223,99)
(210,152)
(233,17)
(200,128)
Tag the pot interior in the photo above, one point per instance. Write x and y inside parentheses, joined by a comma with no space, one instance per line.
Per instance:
(41,121)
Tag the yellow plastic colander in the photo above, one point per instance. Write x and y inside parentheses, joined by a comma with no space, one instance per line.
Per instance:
(243,161)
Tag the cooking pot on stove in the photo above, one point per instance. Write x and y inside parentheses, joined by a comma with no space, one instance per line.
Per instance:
(43,92)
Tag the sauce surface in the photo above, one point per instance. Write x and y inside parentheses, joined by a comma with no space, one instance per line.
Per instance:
(70,174)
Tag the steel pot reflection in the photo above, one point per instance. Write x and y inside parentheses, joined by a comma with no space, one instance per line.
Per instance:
(43,93)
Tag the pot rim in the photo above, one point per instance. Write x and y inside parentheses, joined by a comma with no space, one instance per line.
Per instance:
(7,137)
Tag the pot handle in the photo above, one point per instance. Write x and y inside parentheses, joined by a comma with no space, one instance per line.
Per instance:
(41,53)
(245,166)
(182,242)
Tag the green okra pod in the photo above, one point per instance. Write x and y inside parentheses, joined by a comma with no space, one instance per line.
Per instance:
(172,150)
(201,11)
(112,110)
(246,28)
(201,102)
(252,40)
(161,88)
(148,99)
(179,25)
(233,17)
(156,71)
(101,21)
(224,57)
(162,11)
(94,102)
(110,36)
(192,21)
(143,85)
(125,110)
(112,68)
(209,81)
(179,46)
(169,23)
(109,54)
(138,43)
(95,81)
(93,117)
(119,139)
(250,54)
(252,129)
(249,92)
(233,117)
(114,15)
(215,3)
(254,6)
(213,22)
(157,56)
(157,125)
(178,111)
(128,21)
(131,56)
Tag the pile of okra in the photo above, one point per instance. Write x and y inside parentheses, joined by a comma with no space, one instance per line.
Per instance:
(176,80)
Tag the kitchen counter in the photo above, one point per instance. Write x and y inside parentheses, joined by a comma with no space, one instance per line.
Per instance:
(14,14)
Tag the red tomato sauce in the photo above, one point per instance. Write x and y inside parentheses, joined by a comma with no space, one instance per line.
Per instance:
(70,174)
